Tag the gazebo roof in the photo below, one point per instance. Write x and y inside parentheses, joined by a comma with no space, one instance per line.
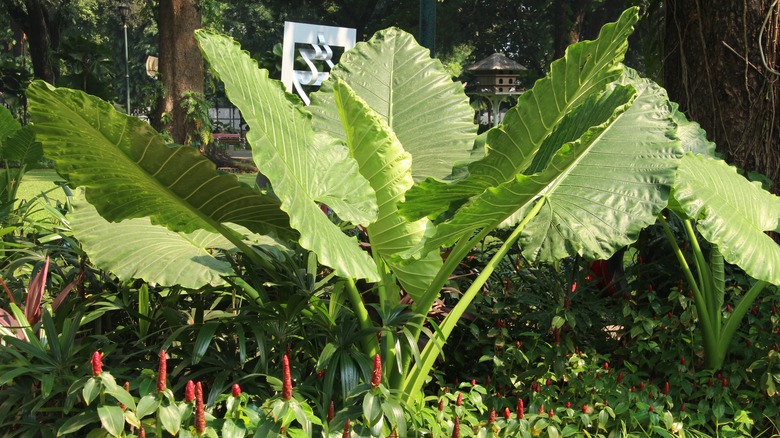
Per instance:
(496,63)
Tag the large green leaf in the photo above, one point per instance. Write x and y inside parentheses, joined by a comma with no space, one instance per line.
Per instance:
(134,248)
(303,168)
(732,213)
(532,131)
(128,170)
(387,166)
(598,191)
(22,147)
(8,125)
(427,110)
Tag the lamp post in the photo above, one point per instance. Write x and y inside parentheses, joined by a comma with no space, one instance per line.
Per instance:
(124,12)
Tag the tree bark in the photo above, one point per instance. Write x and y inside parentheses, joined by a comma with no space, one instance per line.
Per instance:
(180,65)
(721,66)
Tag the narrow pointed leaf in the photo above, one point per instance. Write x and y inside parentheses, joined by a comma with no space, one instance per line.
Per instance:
(128,170)
(387,166)
(523,138)
(8,126)
(422,105)
(303,168)
(732,213)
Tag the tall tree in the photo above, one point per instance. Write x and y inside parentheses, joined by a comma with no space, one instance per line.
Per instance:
(42,22)
(721,65)
(180,65)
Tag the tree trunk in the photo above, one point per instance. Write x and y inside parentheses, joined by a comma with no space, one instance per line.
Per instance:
(40,24)
(721,66)
(180,65)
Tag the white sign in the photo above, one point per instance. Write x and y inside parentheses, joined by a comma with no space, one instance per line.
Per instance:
(317,41)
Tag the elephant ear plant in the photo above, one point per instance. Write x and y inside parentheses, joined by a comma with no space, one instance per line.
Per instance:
(582,163)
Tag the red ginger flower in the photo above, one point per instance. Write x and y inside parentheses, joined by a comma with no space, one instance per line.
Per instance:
(331,411)
(507,414)
(236,390)
(142,432)
(346,430)
(492,416)
(456,428)
(97,363)
(189,392)
(441,404)
(286,379)
(162,372)
(666,388)
(200,413)
(376,374)
(520,409)
(459,401)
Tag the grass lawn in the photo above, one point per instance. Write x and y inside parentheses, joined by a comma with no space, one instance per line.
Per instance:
(40,180)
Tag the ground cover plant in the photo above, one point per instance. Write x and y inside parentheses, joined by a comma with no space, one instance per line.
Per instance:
(333,277)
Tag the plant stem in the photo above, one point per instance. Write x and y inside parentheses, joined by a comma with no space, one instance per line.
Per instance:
(734,320)
(432,349)
(370,344)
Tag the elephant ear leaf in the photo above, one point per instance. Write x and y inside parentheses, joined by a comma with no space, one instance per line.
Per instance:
(128,171)
(302,167)
(134,248)
(387,166)
(428,112)
(732,213)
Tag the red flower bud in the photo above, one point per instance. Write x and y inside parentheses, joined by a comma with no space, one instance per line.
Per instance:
(584,409)
(441,404)
(331,411)
(97,363)
(507,414)
(606,365)
(666,388)
(320,374)
(541,410)
(548,382)
(200,413)
(376,374)
(473,382)
(236,390)
(162,372)
(725,382)
(682,408)
(346,430)
(459,400)
(142,432)
(286,379)
(568,405)
(456,428)
(620,378)
(189,391)
(728,307)
(651,408)
(552,413)
(520,409)
(492,416)
(641,386)
(682,360)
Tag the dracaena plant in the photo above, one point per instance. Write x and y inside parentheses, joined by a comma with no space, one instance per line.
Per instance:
(581,164)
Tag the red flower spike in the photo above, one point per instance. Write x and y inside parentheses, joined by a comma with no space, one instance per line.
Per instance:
(347,428)
(666,388)
(236,390)
(620,378)
(641,386)
(568,405)
(507,414)
(441,404)
(459,400)
(552,413)
(189,392)
(456,428)
(200,412)
(541,410)
(286,379)
(376,374)
(606,366)
(97,363)
(162,372)
(584,409)
(520,409)
(473,382)
(651,408)
(142,432)
(320,374)
(548,382)
(682,408)
(331,411)
(728,308)
(725,382)
(492,416)
(682,360)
